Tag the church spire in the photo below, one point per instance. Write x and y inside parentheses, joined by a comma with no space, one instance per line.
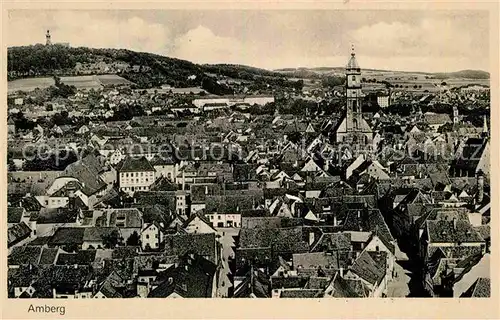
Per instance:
(352,65)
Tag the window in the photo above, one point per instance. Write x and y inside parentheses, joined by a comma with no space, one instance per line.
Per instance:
(353,78)
(146,179)
(126,175)
(142,174)
(156,236)
(377,248)
(147,236)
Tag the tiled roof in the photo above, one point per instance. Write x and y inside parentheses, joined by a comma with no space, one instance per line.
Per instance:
(256,284)
(127,218)
(24,255)
(288,240)
(370,220)
(201,244)
(482,288)
(314,260)
(332,242)
(192,278)
(67,235)
(233,203)
(289,282)
(14,214)
(343,288)
(55,216)
(23,276)
(48,256)
(87,173)
(484,231)
(122,252)
(437,118)
(97,233)
(17,233)
(371,266)
(131,164)
(317,283)
(302,293)
(455,231)
(82,257)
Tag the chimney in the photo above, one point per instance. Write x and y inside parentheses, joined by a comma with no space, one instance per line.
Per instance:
(183,180)
(311,238)
(455,224)
(327,165)
(480,186)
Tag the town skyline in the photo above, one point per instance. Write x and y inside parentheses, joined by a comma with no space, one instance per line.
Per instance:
(384,40)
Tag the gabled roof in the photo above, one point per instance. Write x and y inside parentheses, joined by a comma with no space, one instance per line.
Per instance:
(371,266)
(67,235)
(14,214)
(55,216)
(288,240)
(17,233)
(255,285)
(24,255)
(454,231)
(201,244)
(192,278)
(343,288)
(87,172)
(479,289)
(82,257)
(332,242)
(301,293)
(370,220)
(131,164)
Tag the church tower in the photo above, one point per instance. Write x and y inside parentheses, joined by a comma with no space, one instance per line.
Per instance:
(48,42)
(353,129)
(354,95)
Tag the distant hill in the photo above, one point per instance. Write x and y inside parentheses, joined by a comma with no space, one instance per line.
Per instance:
(41,60)
(466,74)
(317,71)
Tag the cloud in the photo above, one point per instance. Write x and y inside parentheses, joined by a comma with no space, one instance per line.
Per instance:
(391,40)
(89,29)
(201,45)
(429,37)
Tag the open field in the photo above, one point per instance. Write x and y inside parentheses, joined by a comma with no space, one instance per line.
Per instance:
(29,84)
(83,82)
(112,79)
(80,82)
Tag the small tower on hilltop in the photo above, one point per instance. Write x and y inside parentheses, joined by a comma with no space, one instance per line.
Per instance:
(48,42)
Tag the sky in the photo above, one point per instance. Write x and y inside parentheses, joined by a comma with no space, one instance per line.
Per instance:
(427,41)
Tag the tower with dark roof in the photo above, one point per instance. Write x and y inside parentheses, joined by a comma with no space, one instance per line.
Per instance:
(353,129)
(353,94)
